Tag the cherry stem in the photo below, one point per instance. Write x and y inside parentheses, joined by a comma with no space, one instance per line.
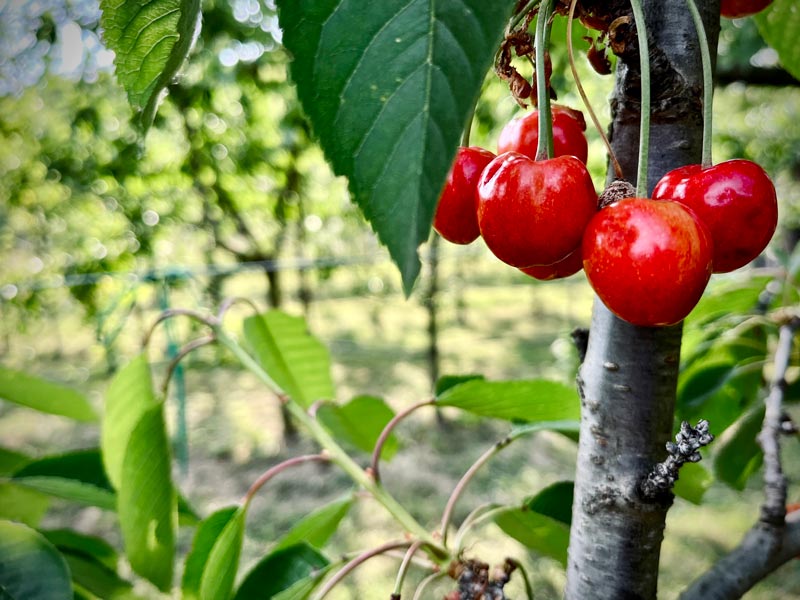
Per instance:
(465,479)
(356,562)
(279,468)
(571,52)
(468,126)
(708,83)
(401,573)
(182,353)
(387,430)
(425,582)
(544,148)
(176,312)
(644,124)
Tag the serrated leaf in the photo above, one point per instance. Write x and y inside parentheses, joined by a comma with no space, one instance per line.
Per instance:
(445,382)
(693,482)
(129,396)
(44,396)
(204,539)
(316,528)
(219,573)
(779,25)
(359,423)
(151,40)
(30,567)
(737,453)
(296,360)
(146,500)
(22,504)
(388,87)
(279,571)
(543,534)
(523,400)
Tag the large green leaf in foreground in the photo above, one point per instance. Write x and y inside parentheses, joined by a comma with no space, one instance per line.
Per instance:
(151,39)
(30,567)
(779,25)
(388,87)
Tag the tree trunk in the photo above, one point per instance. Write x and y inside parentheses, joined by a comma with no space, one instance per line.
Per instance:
(629,376)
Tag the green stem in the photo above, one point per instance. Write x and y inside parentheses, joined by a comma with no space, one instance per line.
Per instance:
(644,124)
(468,126)
(401,573)
(335,451)
(517,18)
(544,148)
(708,83)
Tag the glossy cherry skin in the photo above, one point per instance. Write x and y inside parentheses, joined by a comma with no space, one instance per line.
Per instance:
(534,212)
(456,218)
(522,134)
(563,268)
(735,200)
(648,260)
(735,9)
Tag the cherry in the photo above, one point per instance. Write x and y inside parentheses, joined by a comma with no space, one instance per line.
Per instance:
(522,134)
(735,200)
(534,212)
(735,9)
(567,266)
(648,260)
(456,219)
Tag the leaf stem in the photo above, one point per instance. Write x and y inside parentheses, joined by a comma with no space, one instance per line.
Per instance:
(376,453)
(644,123)
(708,83)
(182,353)
(335,452)
(525,578)
(279,468)
(571,53)
(401,573)
(544,147)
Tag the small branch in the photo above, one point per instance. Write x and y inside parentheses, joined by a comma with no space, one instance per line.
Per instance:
(773,510)
(465,479)
(182,353)
(279,468)
(401,573)
(356,562)
(175,312)
(376,453)
(760,553)
(689,440)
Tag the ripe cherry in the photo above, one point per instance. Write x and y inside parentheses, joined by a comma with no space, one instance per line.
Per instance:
(534,212)
(522,134)
(563,268)
(456,218)
(735,9)
(648,260)
(735,200)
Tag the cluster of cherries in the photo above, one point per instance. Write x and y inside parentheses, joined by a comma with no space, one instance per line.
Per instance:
(648,260)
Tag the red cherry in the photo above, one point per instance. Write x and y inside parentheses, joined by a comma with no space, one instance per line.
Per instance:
(648,261)
(534,212)
(735,9)
(522,134)
(563,268)
(735,200)
(455,218)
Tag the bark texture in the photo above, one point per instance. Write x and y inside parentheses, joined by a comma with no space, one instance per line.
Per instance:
(629,376)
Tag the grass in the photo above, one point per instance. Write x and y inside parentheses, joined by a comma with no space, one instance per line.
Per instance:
(379,345)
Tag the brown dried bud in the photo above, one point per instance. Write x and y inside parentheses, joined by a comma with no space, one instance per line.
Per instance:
(616,191)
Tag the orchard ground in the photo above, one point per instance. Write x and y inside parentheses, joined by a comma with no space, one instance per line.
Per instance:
(492,320)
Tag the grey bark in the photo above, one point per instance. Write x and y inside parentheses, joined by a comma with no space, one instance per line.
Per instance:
(629,376)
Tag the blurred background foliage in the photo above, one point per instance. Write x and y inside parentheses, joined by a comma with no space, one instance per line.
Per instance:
(229,195)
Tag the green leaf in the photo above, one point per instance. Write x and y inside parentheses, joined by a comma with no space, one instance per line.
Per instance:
(69,540)
(296,360)
(76,476)
(316,528)
(98,579)
(738,454)
(44,396)
(129,396)
(388,87)
(204,539)
(543,534)
(147,502)
(779,25)
(219,574)
(151,40)
(11,460)
(302,589)
(530,401)
(693,481)
(554,501)
(445,382)
(22,504)
(359,423)
(279,571)
(30,567)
